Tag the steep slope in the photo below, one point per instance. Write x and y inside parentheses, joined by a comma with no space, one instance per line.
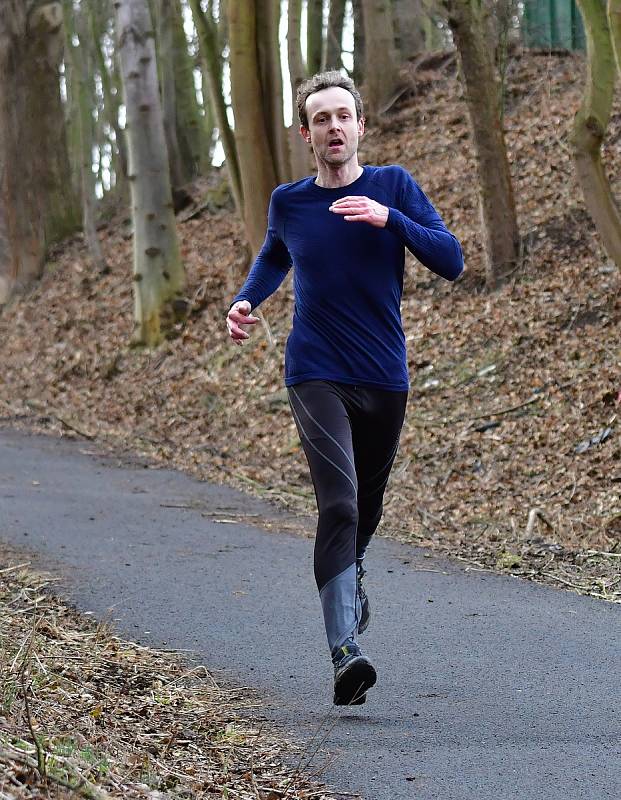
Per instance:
(510,455)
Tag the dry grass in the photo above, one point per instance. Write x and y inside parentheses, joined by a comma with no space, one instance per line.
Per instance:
(84,713)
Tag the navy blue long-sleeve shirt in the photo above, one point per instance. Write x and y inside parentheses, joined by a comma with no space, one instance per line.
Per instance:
(348,276)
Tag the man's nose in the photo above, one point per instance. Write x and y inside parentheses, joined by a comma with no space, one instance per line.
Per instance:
(335,124)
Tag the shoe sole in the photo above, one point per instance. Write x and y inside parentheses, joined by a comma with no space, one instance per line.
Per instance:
(364,624)
(352,684)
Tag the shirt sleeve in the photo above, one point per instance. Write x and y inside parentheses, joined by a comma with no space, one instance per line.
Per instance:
(272,263)
(423,232)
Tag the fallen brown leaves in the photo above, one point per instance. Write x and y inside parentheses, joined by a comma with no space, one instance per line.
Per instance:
(84,713)
(506,387)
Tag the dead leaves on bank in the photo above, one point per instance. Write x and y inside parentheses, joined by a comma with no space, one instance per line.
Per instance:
(506,387)
(85,714)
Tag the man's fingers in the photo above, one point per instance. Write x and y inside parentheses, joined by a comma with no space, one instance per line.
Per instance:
(351,198)
(357,218)
(363,209)
(242,319)
(237,333)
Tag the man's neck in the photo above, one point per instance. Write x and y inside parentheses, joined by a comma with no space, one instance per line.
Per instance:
(333,177)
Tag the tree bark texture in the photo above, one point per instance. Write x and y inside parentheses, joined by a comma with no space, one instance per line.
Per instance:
(111,98)
(211,55)
(37,206)
(193,129)
(251,134)
(179,173)
(359,43)
(408,17)
(314,35)
(333,52)
(468,22)
(81,61)
(591,121)
(268,49)
(158,271)
(381,73)
(302,162)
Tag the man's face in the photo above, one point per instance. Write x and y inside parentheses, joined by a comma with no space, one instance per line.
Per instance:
(333,130)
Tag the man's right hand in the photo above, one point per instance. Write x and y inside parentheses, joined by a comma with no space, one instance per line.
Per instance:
(239,314)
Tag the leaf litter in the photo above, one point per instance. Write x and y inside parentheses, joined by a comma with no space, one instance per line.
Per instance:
(505,385)
(84,713)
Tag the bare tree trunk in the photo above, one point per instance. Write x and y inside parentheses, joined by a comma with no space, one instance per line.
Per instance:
(36,201)
(314,35)
(469,23)
(83,78)
(381,74)
(591,121)
(408,16)
(271,81)
(111,100)
(158,271)
(359,43)
(334,36)
(193,136)
(251,135)
(301,153)
(212,58)
(166,56)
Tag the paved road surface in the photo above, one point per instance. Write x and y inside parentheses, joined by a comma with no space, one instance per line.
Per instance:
(490,688)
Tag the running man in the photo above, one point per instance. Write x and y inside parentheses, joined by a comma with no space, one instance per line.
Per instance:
(345,231)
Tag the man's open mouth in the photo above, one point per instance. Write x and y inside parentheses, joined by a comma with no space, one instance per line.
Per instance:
(335,143)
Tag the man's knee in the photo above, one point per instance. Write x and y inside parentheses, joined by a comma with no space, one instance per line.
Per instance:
(338,512)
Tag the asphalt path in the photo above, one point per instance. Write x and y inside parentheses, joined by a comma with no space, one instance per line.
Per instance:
(489,687)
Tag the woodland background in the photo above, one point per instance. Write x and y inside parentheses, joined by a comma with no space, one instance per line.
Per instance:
(139,143)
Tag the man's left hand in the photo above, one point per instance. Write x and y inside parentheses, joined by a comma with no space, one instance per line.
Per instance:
(361,209)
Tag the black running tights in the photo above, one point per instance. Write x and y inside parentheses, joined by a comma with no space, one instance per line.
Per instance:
(350,435)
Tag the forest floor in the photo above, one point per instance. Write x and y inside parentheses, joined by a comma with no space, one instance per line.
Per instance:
(84,713)
(510,455)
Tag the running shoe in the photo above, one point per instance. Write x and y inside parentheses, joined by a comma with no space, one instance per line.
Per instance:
(362,596)
(353,675)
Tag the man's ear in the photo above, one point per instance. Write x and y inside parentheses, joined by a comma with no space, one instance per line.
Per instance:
(361,124)
(305,134)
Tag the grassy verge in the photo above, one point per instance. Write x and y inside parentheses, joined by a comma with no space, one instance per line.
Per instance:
(85,714)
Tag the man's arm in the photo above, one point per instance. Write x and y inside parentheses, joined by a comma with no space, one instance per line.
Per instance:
(271,265)
(416,222)
(268,272)
(424,233)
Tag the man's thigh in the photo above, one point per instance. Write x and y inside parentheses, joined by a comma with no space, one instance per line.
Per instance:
(324,425)
(375,436)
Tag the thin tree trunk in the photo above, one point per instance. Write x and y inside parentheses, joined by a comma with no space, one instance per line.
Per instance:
(334,36)
(83,75)
(359,43)
(191,131)
(251,135)
(212,59)
(301,153)
(468,22)
(178,175)
(408,17)
(158,271)
(381,74)
(591,121)
(111,100)
(271,82)
(314,35)
(37,206)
